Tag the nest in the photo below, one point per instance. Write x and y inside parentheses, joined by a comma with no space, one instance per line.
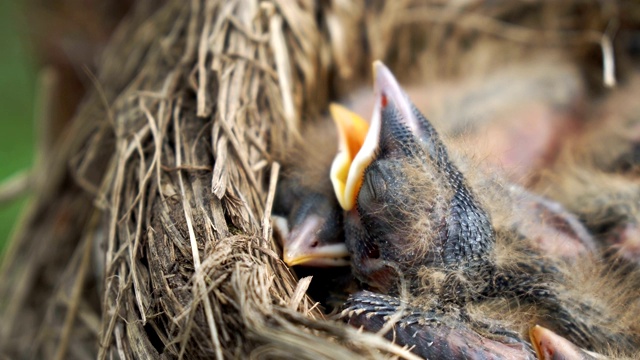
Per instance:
(150,233)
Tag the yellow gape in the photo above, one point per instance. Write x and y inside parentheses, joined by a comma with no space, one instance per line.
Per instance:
(352,130)
(359,141)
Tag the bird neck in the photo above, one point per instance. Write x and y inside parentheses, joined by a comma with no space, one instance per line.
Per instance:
(469,236)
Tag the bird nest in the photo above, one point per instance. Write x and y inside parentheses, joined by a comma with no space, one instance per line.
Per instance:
(150,234)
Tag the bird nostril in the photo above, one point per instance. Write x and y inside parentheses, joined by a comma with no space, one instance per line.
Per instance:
(383,100)
(314,243)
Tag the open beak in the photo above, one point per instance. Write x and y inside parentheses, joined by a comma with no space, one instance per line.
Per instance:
(357,151)
(316,237)
(352,130)
(359,143)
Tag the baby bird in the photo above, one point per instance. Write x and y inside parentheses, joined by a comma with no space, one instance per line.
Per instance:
(514,119)
(308,219)
(308,215)
(416,227)
(524,120)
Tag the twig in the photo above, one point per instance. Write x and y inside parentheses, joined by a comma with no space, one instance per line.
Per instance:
(608,59)
(283,67)
(266,220)
(74,302)
(15,186)
(199,284)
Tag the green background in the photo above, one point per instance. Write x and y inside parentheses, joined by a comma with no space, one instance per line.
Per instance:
(17,89)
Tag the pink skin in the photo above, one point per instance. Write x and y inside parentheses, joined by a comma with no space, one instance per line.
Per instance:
(520,142)
(626,240)
(551,228)
(551,346)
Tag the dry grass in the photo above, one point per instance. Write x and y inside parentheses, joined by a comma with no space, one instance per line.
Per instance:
(150,235)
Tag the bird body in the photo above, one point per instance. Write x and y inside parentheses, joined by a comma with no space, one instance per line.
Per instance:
(524,121)
(421,231)
(432,334)
(462,262)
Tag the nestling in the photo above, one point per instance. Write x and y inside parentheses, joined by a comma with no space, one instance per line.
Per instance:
(417,227)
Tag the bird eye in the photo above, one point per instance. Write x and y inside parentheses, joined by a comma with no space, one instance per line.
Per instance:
(374,187)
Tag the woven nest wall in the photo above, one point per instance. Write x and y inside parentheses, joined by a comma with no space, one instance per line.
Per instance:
(150,233)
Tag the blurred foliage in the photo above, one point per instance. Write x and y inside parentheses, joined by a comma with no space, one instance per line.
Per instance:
(17,89)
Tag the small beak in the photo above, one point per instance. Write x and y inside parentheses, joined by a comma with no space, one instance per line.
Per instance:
(302,247)
(352,130)
(348,167)
(549,346)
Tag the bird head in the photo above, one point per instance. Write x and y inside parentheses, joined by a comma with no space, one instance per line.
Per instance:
(313,234)
(406,203)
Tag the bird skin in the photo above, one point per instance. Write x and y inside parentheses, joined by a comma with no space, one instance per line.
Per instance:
(551,346)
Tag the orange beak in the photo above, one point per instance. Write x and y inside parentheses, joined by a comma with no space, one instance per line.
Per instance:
(352,130)
(305,244)
(359,140)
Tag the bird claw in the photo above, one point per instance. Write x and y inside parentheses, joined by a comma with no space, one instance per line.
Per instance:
(431,334)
